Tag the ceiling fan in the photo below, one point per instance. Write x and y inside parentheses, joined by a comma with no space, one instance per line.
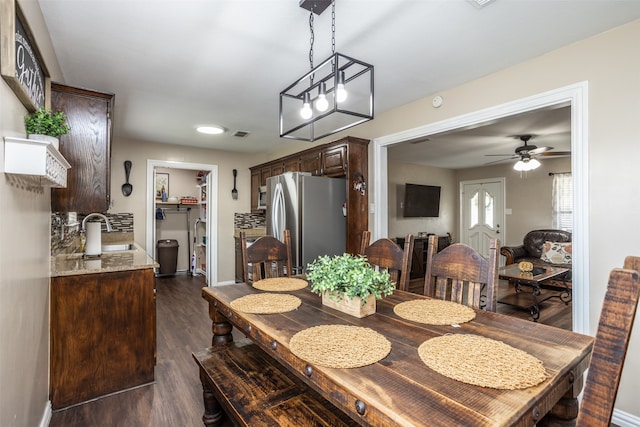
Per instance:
(526,154)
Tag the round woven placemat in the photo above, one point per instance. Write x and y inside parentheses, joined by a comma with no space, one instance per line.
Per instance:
(279,284)
(266,303)
(434,312)
(482,361)
(340,346)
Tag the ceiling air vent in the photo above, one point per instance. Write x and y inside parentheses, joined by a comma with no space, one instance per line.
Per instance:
(241,133)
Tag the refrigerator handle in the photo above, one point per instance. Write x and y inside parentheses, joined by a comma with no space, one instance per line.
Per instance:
(278,219)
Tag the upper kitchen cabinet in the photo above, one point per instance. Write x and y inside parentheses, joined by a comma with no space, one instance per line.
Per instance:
(87,148)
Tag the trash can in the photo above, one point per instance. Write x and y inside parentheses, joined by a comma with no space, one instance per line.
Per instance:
(168,256)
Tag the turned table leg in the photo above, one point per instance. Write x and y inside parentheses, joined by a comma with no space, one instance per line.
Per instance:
(221,327)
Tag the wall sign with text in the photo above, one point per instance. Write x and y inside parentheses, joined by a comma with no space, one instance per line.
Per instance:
(21,64)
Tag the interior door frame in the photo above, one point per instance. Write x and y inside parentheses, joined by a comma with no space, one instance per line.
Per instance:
(577,96)
(212,211)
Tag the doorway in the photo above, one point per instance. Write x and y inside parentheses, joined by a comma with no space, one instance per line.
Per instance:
(481,213)
(576,96)
(211,215)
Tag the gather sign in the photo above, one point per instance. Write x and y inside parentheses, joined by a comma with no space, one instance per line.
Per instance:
(21,63)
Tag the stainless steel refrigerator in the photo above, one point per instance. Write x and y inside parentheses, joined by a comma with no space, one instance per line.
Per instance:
(311,207)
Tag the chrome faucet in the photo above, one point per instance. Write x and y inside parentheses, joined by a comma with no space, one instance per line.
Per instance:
(106,221)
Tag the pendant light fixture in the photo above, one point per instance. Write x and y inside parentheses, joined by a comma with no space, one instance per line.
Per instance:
(333,96)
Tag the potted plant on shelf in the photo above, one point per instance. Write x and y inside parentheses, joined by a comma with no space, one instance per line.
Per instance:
(46,125)
(348,283)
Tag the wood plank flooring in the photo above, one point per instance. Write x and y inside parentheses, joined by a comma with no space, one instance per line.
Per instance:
(183,325)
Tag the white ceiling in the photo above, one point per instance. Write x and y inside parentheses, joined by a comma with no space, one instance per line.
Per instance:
(174,64)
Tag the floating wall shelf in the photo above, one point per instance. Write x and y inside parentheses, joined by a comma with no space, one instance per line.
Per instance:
(37,161)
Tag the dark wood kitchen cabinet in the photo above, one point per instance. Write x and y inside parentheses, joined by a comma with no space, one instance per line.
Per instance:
(346,157)
(87,148)
(103,334)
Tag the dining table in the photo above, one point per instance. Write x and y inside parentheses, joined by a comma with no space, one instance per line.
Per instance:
(400,389)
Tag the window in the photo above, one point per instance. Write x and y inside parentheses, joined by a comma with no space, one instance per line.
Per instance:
(562,203)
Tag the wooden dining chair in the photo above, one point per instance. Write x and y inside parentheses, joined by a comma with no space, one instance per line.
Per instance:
(459,273)
(386,255)
(610,345)
(267,257)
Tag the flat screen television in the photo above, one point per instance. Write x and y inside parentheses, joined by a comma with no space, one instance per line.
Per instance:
(421,200)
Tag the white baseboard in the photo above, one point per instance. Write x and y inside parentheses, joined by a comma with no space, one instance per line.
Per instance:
(624,419)
(46,417)
(228,282)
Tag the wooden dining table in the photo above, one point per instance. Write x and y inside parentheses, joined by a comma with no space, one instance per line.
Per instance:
(400,390)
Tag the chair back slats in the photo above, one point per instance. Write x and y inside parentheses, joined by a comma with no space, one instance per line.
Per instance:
(459,273)
(384,254)
(610,345)
(268,257)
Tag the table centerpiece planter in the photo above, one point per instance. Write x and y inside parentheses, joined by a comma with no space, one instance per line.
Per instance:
(348,283)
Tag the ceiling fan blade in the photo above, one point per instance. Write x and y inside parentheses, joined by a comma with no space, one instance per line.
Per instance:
(540,150)
(499,161)
(555,154)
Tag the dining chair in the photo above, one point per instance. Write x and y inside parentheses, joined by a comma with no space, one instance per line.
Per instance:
(266,257)
(459,273)
(610,345)
(386,255)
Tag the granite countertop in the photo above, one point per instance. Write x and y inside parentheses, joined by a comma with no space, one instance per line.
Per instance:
(251,232)
(74,263)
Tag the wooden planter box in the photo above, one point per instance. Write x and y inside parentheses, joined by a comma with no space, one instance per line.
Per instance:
(352,307)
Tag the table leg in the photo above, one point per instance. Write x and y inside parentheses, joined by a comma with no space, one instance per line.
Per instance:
(221,327)
(565,411)
(535,308)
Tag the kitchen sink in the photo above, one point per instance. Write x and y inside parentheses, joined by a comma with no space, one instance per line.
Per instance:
(118,247)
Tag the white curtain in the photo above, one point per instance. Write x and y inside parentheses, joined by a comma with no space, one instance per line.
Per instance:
(562,203)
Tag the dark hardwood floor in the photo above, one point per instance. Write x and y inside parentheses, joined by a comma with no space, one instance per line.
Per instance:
(183,326)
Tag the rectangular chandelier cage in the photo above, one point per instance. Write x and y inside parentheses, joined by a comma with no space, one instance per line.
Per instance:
(341,113)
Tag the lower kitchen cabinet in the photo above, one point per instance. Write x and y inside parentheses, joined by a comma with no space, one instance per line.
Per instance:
(103,334)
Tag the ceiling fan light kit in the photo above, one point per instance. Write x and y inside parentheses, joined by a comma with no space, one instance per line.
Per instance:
(525,155)
(333,96)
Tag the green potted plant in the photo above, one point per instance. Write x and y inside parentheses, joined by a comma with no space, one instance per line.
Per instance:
(46,125)
(348,283)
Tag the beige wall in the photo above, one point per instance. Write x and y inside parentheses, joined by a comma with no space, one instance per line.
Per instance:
(528,197)
(24,266)
(139,152)
(401,173)
(610,64)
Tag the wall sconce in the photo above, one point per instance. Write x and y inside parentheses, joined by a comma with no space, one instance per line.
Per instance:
(359,183)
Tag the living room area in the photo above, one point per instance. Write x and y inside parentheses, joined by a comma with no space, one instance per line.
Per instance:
(526,201)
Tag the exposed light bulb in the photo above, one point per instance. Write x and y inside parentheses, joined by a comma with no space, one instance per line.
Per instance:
(341,92)
(321,103)
(306,112)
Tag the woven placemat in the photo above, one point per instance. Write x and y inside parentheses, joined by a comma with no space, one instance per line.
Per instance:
(481,361)
(279,284)
(266,303)
(435,312)
(340,346)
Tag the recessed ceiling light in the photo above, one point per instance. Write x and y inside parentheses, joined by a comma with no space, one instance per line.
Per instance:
(210,129)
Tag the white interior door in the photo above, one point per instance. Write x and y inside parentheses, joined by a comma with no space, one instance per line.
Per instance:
(482,213)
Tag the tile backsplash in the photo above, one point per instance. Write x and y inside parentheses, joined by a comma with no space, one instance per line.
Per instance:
(65,227)
(249,220)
